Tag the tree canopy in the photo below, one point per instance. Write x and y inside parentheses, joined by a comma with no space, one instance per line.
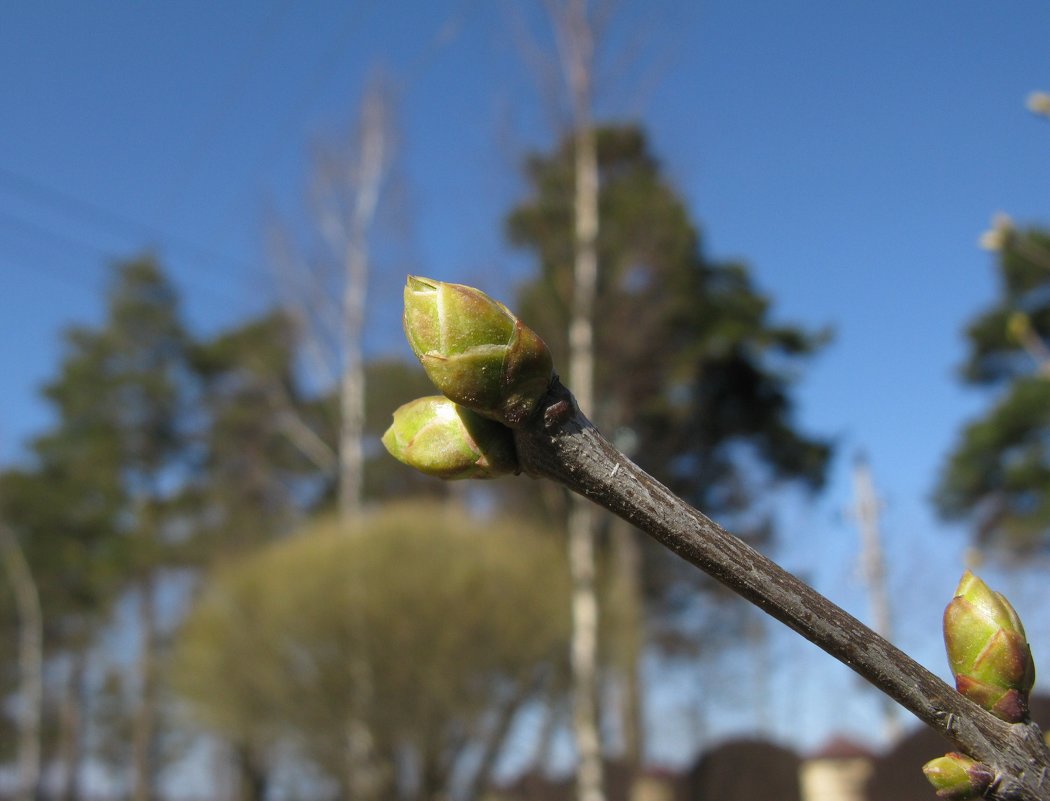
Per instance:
(688,359)
(997,476)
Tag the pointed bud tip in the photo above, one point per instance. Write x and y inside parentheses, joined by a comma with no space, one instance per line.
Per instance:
(417,283)
(965,581)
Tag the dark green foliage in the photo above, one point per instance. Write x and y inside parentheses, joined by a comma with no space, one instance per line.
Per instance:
(998,475)
(118,402)
(996,355)
(687,356)
(66,530)
(246,488)
(94,509)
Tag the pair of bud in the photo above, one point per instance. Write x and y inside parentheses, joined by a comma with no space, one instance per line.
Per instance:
(992,663)
(491,369)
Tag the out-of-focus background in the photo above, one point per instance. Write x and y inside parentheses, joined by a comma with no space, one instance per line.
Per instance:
(822,314)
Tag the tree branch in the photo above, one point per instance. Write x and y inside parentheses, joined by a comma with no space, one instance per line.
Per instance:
(559,443)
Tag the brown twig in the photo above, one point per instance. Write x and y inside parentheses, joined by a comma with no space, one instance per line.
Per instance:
(560,444)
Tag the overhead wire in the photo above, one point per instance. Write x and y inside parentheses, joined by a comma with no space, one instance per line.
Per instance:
(36,191)
(95,250)
(56,270)
(31,189)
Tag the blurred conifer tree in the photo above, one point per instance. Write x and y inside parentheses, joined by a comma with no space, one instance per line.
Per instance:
(998,474)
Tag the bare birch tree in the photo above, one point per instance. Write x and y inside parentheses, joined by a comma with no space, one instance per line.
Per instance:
(866,509)
(575,40)
(328,293)
(328,296)
(30,663)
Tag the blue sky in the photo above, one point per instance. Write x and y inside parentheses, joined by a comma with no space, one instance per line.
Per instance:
(851,153)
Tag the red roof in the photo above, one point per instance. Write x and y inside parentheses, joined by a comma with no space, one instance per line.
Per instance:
(841,747)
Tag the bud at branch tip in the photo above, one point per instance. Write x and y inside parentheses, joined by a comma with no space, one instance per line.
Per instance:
(475,350)
(987,650)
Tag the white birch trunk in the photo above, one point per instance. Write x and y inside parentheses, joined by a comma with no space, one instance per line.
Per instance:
(30,663)
(350,235)
(371,166)
(71,728)
(873,566)
(144,724)
(627,564)
(577,57)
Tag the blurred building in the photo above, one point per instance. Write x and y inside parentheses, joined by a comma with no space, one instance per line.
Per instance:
(745,770)
(620,785)
(897,775)
(837,772)
(758,770)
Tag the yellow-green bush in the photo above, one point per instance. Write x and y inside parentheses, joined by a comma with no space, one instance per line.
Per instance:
(420,622)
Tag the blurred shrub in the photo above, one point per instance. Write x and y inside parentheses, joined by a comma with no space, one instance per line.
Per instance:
(424,625)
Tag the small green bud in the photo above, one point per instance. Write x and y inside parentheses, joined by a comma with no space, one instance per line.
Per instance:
(957,777)
(439,438)
(475,351)
(987,650)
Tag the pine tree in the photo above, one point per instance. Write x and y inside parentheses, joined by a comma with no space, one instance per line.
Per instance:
(252,478)
(93,508)
(687,358)
(998,475)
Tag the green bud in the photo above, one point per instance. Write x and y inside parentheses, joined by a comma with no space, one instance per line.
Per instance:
(957,777)
(475,351)
(439,438)
(987,650)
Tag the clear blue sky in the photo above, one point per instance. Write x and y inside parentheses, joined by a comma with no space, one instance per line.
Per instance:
(851,153)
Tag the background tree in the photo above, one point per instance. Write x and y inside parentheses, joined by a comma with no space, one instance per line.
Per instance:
(687,358)
(143,400)
(460,620)
(253,480)
(325,280)
(30,661)
(99,501)
(998,474)
(69,507)
(575,35)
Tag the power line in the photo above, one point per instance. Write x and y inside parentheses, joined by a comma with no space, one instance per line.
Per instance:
(9,220)
(96,251)
(57,271)
(35,191)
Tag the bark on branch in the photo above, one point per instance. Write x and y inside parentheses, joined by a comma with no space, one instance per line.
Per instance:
(560,444)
